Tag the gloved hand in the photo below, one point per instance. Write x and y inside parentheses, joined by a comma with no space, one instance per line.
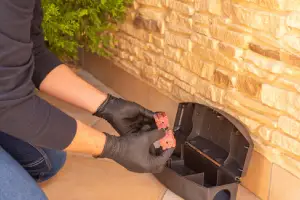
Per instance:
(125,116)
(132,151)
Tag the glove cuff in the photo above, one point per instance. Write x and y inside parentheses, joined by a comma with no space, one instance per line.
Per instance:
(101,108)
(110,147)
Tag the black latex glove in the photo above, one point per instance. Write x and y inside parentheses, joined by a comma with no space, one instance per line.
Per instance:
(125,116)
(132,151)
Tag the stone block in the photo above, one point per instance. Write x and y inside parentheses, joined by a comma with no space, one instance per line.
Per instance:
(229,50)
(158,41)
(207,71)
(149,73)
(204,41)
(179,41)
(173,53)
(156,3)
(265,63)
(222,78)
(293,19)
(275,97)
(289,126)
(238,39)
(180,94)
(164,85)
(291,43)
(199,28)
(180,7)
(252,104)
(193,62)
(261,20)
(262,74)
(149,57)
(290,58)
(248,85)
(271,53)
(184,86)
(286,143)
(137,33)
(150,19)
(202,18)
(265,133)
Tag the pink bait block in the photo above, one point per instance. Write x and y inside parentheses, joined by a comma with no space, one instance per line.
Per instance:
(162,122)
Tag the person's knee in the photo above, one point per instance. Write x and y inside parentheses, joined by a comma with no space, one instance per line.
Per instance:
(55,161)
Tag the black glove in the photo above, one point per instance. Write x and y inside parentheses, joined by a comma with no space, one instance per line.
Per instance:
(125,116)
(132,151)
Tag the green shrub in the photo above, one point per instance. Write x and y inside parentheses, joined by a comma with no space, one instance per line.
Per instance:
(72,24)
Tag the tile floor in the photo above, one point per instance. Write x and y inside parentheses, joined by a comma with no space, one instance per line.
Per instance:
(85,178)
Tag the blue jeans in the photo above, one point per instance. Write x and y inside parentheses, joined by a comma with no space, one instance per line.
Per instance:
(22,165)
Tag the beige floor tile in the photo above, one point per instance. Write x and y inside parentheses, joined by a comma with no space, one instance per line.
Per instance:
(89,179)
(244,194)
(169,195)
(258,176)
(284,186)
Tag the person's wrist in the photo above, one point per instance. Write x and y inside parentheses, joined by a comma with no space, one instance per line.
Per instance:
(102,106)
(108,148)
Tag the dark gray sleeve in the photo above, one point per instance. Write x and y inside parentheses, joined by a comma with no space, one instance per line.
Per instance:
(22,113)
(45,61)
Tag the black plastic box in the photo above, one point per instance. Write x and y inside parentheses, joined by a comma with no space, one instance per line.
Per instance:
(212,153)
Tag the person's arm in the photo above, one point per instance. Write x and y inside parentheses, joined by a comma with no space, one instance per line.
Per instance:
(61,82)
(23,114)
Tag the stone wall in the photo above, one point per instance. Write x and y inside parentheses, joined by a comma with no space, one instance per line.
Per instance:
(239,55)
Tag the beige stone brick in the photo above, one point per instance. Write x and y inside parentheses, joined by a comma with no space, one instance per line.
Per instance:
(202,18)
(290,58)
(261,20)
(289,126)
(180,7)
(265,63)
(139,64)
(274,97)
(184,86)
(180,94)
(241,40)
(261,118)
(124,55)
(222,78)
(210,92)
(203,88)
(149,57)
(217,57)
(248,85)
(164,85)
(204,41)
(265,133)
(193,62)
(291,43)
(158,41)
(156,3)
(130,47)
(141,22)
(127,66)
(137,33)
(153,48)
(172,53)
(229,50)
(271,53)
(178,41)
(152,19)
(289,144)
(251,124)
(249,67)
(252,104)
(280,4)
(150,73)
(207,71)
(165,75)
(176,70)
(201,5)
(179,19)
(227,7)
(199,28)
(293,19)
(288,83)
(131,40)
